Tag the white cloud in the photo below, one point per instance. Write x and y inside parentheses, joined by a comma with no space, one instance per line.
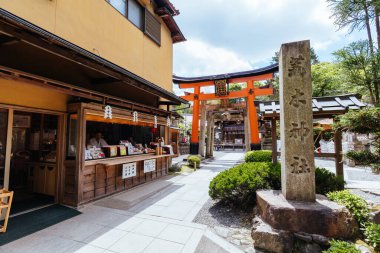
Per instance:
(227,36)
(197,58)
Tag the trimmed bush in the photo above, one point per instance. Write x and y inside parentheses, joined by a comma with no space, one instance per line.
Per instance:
(275,176)
(355,204)
(194,159)
(239,184)
(372,234)
(258,156)
(362,157)
(341,247)
(326,181)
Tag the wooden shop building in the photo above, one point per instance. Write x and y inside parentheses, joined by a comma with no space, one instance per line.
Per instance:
(78,74)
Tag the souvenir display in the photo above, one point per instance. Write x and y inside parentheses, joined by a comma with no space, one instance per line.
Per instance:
(122,150)
(126,149)
(97,153)
(110,151)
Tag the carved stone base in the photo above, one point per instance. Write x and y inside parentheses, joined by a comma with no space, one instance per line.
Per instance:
(322,217)
(280,241)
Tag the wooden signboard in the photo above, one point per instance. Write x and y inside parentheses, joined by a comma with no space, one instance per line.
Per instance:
(149,165)
(129,170)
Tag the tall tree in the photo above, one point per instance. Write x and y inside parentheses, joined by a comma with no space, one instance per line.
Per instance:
(356,62)
(358,15)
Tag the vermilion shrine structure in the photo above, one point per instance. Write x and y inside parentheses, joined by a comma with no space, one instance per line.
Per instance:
(221,84)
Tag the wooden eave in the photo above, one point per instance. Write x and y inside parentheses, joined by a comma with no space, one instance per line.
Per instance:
(22,30)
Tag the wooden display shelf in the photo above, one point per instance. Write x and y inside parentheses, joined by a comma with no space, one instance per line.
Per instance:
(124,159)
(5,206)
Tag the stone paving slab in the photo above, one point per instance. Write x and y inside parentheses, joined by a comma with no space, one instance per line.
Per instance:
(155,217)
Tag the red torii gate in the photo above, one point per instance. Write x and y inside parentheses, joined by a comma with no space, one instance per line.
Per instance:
(221,83)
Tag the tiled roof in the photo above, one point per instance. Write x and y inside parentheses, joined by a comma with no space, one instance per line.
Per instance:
(256,72)
(321,105)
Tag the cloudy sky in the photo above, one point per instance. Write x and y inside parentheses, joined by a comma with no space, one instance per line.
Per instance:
(228,36)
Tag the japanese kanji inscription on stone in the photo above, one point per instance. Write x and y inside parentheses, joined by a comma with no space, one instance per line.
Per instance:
(297,147)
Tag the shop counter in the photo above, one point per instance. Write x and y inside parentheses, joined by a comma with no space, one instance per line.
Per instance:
(103,177)
(125,159)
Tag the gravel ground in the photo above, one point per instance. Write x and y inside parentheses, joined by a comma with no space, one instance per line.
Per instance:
(214,214)
(232,224)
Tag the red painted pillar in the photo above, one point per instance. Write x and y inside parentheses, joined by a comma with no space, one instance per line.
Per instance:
(194,143)
(252,115)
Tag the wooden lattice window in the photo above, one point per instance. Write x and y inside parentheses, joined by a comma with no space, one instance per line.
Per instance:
(152,27)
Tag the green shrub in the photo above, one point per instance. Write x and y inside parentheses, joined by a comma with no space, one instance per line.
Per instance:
(341,247)
(372,234)
(194,159)
(326,181)
(239,184)
(258,156)
(362,157)
(274,179)
(356,205)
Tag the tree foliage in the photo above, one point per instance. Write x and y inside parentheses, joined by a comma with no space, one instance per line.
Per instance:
(365,121)
(359,15)
(357,65)
(327,79)
(235,87)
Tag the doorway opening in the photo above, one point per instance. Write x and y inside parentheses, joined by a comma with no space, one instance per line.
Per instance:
(33,166)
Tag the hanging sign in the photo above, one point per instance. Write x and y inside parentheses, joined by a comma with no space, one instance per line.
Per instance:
(108,112)
(135,116)
(221,88)
(149,165)
(129,170)
(155,121)
(168,121)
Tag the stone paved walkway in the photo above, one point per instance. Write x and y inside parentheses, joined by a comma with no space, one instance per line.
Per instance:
(155,217)
(355,177)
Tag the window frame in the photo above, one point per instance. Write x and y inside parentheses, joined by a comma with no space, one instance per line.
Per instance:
(127,13)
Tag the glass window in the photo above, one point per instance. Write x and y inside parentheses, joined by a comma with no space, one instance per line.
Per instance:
(3,143)
(136,14)
(119,5)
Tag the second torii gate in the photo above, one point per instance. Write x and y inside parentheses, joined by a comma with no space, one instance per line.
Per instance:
(221,83)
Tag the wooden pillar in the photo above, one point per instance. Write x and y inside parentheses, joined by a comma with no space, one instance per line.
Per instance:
(209,134)
(247,140)
(202,130)
(194,144)
(338,153)
(212,138)
(253,120)
(274,139)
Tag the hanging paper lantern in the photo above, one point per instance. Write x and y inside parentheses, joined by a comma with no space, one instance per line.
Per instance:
(168,121)
(135,116)
(108,112)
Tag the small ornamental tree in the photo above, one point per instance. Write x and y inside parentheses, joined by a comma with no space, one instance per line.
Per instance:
(365,121)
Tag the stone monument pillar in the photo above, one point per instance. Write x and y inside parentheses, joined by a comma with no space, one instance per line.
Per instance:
(296,117)
(298,209)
